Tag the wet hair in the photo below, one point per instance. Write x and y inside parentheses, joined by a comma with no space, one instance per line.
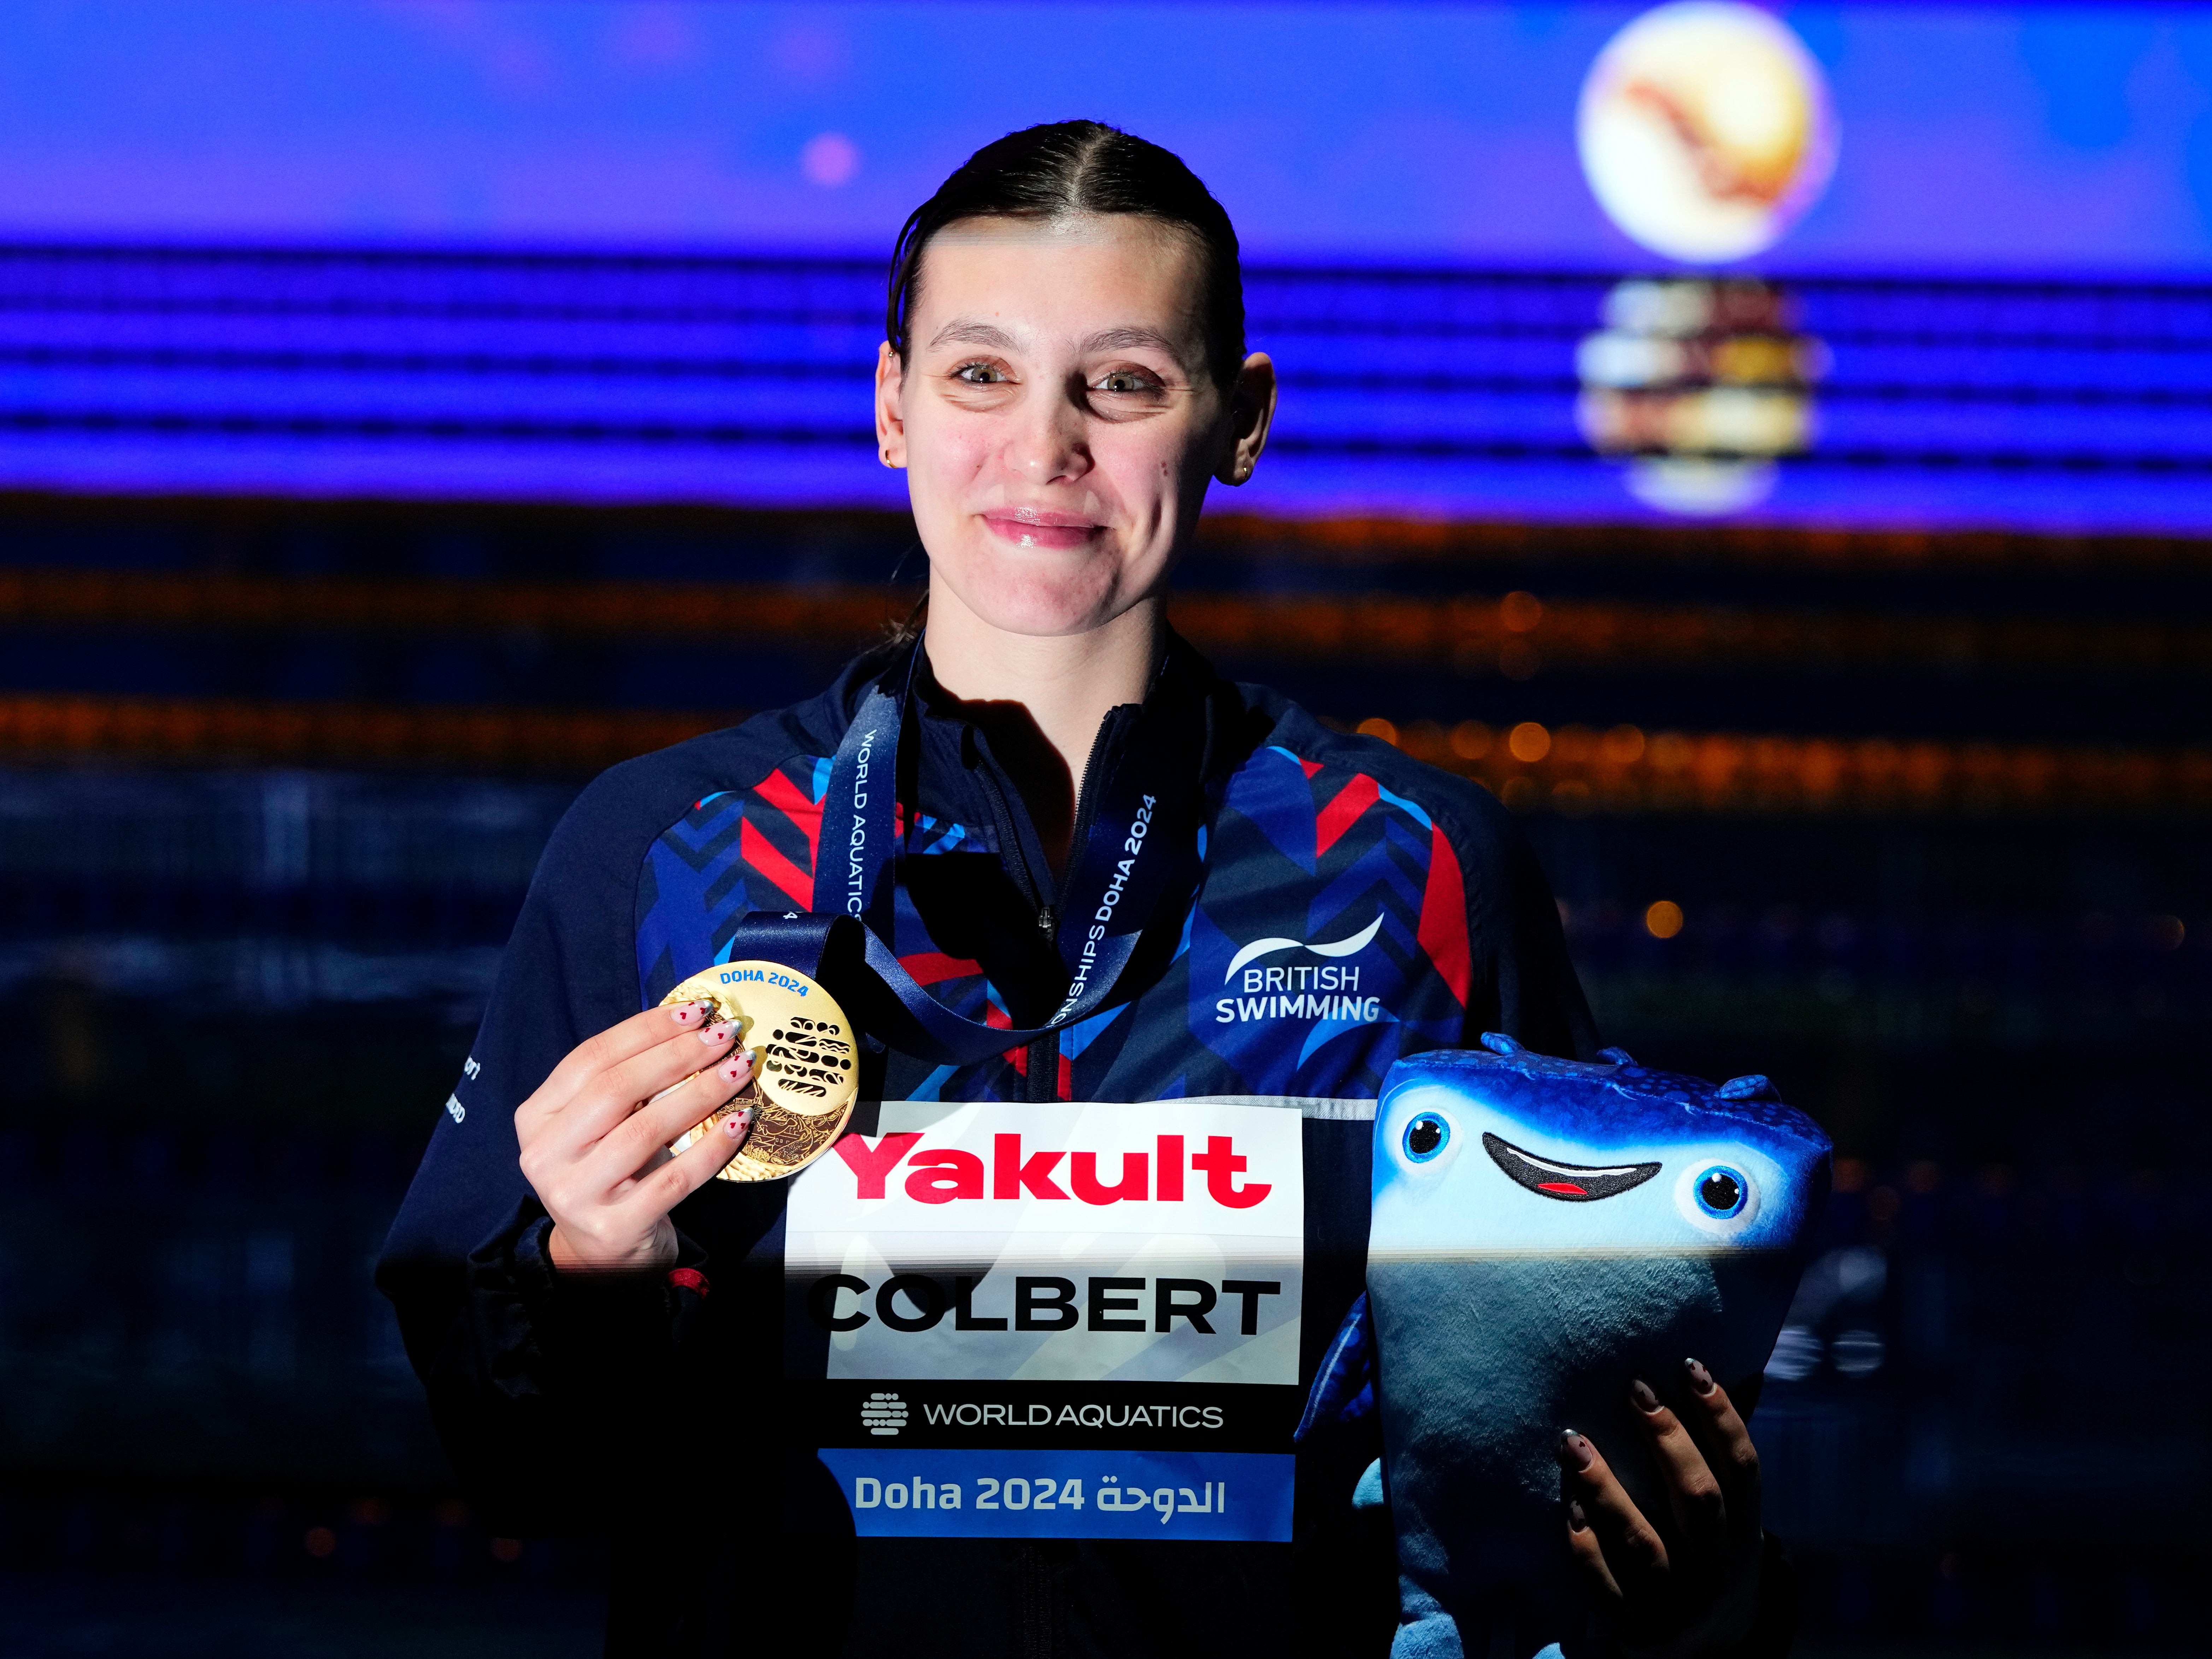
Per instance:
(1072,168)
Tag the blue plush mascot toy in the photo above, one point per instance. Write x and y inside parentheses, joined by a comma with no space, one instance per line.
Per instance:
(1543,1231)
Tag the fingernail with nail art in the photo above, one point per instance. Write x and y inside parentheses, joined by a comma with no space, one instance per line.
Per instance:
(737,1123)
(1576,1521)
(689,1013)
(1700,1378)
(714,1036)
(1576,1452)
(1646,1401)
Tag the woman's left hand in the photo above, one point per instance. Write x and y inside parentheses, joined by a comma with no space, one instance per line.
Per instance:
(1701,1597)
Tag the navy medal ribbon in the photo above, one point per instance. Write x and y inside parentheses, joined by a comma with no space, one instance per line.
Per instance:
(1133,857)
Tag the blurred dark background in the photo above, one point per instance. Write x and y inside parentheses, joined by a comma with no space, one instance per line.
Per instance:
(329,572)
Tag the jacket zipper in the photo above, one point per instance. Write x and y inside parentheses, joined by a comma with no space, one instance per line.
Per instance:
(1086,804)
(1044,1053)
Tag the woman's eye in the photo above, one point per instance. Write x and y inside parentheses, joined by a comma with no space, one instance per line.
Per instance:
(1127,379)
(979,373)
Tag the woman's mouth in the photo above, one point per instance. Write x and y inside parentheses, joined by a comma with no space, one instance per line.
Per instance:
(1030,528)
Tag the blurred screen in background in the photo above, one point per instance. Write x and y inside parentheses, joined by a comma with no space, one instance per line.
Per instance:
(1771,447)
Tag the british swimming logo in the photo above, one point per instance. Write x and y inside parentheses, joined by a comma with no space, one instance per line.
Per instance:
(1299,990)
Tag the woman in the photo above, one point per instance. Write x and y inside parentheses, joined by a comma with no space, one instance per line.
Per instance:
(1063,377)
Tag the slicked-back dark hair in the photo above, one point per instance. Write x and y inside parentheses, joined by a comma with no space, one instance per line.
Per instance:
(1081,167)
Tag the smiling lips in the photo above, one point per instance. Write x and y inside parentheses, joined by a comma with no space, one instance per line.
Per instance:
(1028,527)
(1577,1184)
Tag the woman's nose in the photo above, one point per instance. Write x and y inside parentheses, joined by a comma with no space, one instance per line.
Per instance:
(1049,444)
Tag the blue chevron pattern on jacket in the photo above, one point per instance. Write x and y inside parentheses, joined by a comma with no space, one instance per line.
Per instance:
(1332,932)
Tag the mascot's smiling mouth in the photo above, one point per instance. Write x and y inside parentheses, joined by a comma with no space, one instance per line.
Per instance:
(1572,1184)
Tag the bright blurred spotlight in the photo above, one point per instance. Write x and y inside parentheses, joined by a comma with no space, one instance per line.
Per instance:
(1377,726)
(1701,385)
(1856,1353)
(1528,743)
(831,159)
(1471,740)
(1520,612)
(1704,131)
(1574,744)
(1663,920)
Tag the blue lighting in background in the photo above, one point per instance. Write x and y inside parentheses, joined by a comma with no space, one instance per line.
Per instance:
(2049,141)
(630,250)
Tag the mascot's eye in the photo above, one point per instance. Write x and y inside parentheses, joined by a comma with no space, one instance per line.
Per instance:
(1425,1136)
(1720,1192)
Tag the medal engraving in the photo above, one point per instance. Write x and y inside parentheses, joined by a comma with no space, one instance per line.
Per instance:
(807,1073)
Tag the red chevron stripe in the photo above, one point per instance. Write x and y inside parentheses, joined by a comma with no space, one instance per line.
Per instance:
(931,967)
(1341,814)
(1442,931)
(779,792)
(757,850)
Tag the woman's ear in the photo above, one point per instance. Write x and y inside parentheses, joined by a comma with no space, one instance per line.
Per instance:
(890,421)
(1251,413)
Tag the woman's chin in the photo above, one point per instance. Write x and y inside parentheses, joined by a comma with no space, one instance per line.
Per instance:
(1042,619)
(1042,605)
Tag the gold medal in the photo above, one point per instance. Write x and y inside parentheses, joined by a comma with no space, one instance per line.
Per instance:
(807,1075)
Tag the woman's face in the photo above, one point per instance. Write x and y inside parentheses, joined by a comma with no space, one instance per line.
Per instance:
(1056,420)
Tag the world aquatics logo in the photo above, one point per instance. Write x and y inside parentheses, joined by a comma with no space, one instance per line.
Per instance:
(882,1414)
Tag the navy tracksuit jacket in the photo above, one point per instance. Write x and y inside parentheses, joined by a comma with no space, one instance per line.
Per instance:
(650,1413)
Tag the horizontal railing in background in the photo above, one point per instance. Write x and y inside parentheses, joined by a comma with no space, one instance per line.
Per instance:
(1622,769)
(1575,769)
(1517,632)
(577,376)
(203,731)
(1411,541)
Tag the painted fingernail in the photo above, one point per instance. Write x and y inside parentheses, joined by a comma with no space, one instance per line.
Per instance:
(690,1013)
(714,1036)
(749,1056)
(730,1069)
(1576,1452)
(1700,1378)
(1646,1401)
(1576,1521)
(737,1122)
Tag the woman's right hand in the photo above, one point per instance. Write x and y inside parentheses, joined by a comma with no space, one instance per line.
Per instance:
(595,1135)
